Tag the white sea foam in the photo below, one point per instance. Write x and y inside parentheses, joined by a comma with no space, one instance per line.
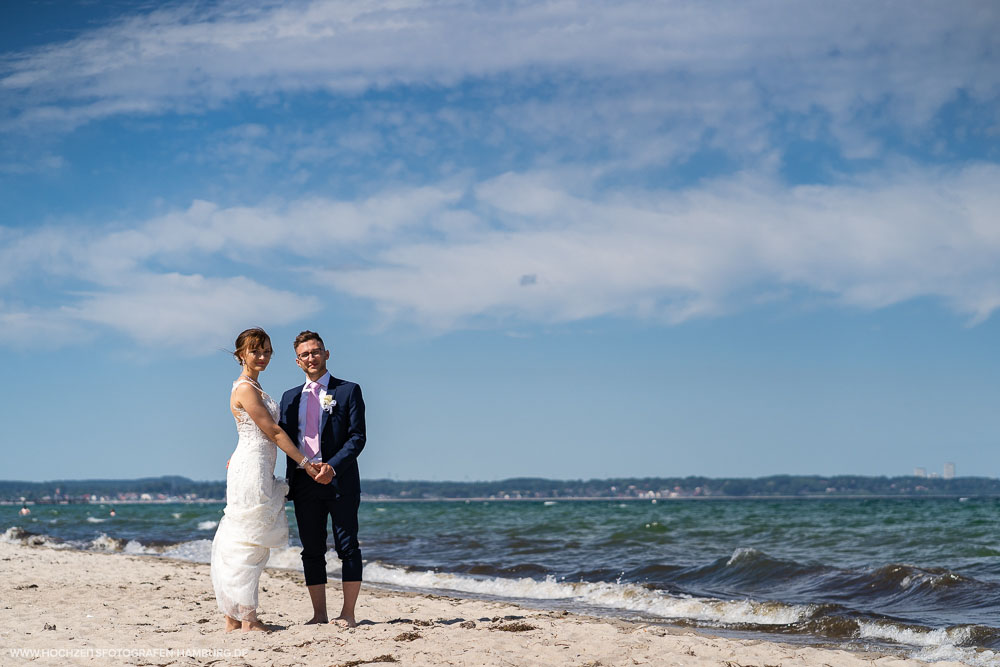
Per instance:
(207,525)
(94,519)
(14,535)
(941,644)
(39,541)
(199,551)
(623,597)
(742,553)
(17,535)
(963,654)
(176,515)
(913,637)
(104,542)
(290,558)
(139,549)
(612,596)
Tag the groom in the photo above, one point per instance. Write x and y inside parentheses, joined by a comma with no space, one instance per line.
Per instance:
(326,418)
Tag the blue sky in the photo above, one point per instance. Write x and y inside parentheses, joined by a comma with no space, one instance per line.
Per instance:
(561,239)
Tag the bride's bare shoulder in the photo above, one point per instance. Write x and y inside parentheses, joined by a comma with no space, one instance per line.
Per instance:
(244,393)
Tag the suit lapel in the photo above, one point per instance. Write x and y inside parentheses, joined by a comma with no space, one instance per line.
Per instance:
(292,416)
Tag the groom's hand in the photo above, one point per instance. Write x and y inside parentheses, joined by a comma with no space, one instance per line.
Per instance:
(325,475)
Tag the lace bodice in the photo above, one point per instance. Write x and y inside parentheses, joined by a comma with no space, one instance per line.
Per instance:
(251,469)
(245,425)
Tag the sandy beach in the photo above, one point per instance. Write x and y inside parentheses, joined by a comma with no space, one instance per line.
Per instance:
(62,606)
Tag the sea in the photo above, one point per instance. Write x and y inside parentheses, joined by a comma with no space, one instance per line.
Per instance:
(913,577)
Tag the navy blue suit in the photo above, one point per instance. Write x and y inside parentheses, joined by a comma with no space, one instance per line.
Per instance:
(342,437)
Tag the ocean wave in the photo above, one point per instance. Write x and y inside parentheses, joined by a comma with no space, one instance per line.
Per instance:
(135,548)
(198,551)
(910,577)
(750,569)
(18,535)
(891,590)
(290,558)
(14,535)
(207,525)
(745,554)
(610,596)
(964,654)
(962,643)
(959,635)
(104,542)
(624,597)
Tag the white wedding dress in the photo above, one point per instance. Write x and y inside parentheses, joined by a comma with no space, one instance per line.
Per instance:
(254,521)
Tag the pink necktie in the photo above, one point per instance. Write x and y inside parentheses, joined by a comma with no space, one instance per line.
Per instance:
(310,435)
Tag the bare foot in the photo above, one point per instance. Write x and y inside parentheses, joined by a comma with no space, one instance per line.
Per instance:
(255,626)
(232,624)
(345,621)
(316,619)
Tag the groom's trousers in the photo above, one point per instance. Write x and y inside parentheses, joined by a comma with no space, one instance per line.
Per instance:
(313,509)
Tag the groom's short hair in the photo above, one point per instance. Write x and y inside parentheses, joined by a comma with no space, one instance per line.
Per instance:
(307,335)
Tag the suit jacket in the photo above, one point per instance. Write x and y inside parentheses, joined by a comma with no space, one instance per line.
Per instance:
(342,436)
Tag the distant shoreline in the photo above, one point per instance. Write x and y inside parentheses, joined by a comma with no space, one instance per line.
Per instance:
(776,487)
(486,499)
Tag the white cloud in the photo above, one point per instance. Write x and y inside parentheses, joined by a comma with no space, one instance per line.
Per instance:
(525,248)
(700,59)
(307,227)
(190,311)
(21,326)
(136,279)
(705,251)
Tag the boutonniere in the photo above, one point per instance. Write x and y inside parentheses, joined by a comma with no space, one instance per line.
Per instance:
(327,402)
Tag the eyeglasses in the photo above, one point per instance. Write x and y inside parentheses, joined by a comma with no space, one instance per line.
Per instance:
(311,353)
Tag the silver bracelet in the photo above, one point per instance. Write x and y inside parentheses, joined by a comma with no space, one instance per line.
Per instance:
(304,461)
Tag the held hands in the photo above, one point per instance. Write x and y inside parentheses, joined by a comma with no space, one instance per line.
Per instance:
(326,474)
(322,473)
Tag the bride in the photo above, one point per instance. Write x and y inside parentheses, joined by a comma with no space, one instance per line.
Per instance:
(254,520)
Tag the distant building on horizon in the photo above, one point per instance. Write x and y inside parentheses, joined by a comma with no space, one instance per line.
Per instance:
(920,472)
(949,471)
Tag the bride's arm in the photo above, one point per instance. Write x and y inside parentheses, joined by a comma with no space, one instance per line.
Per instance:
(250,400)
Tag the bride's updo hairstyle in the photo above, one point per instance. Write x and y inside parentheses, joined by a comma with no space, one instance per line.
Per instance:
(250,339)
